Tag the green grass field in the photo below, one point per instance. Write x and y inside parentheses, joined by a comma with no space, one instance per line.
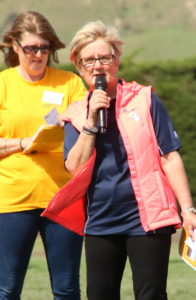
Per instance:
(156,30)
(181,279)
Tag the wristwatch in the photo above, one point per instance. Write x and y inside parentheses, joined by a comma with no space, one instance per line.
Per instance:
(189,209)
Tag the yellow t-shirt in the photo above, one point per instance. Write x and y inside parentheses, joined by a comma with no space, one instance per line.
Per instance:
(30,181)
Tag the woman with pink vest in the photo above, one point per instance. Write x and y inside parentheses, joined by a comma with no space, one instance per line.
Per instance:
(123,151)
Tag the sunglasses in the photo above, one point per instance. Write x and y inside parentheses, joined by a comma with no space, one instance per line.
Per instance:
(34,49)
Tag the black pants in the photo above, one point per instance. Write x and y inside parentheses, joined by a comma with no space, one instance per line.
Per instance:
(106,257)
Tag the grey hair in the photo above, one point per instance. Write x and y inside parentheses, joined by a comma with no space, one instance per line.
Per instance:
(89,33)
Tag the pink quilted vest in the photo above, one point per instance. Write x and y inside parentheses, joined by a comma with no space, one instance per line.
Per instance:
(156,200)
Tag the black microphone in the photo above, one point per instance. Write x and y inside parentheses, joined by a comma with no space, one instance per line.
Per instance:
(101,84)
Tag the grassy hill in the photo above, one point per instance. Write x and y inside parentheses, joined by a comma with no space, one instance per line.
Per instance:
(151,30)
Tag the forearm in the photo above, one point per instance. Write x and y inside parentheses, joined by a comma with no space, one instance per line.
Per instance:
(174,169)
(81,152)
(175,172)
(9,146)
(85,145)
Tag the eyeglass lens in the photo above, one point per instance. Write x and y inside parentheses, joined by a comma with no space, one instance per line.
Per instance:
(92,60)
(45,49)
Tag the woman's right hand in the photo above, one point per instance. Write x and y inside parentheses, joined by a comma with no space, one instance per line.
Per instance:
(99,99)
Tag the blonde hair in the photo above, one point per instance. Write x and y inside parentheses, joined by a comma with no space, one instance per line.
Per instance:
(89,33)
(31,22)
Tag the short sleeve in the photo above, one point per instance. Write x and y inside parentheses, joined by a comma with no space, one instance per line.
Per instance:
(166,135)
(70,138)
(77,88)
(2,90)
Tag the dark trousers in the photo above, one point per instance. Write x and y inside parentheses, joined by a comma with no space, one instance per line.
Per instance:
(106,257)
(18,232)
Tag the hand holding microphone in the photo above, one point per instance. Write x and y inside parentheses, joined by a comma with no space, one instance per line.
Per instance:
(101,84)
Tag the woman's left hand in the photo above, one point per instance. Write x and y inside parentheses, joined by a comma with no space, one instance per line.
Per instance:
(25,142)
(189,219)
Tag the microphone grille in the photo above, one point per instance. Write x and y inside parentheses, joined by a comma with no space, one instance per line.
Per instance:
(100,82)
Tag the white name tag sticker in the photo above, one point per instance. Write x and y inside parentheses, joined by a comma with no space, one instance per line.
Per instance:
(52,97)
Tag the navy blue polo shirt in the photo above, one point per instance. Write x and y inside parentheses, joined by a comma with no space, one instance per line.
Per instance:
(112,206)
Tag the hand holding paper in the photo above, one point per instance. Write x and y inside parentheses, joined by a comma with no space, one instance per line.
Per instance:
(187,248)
(48,138)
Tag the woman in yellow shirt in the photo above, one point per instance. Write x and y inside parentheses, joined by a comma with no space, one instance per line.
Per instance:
(29,90)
